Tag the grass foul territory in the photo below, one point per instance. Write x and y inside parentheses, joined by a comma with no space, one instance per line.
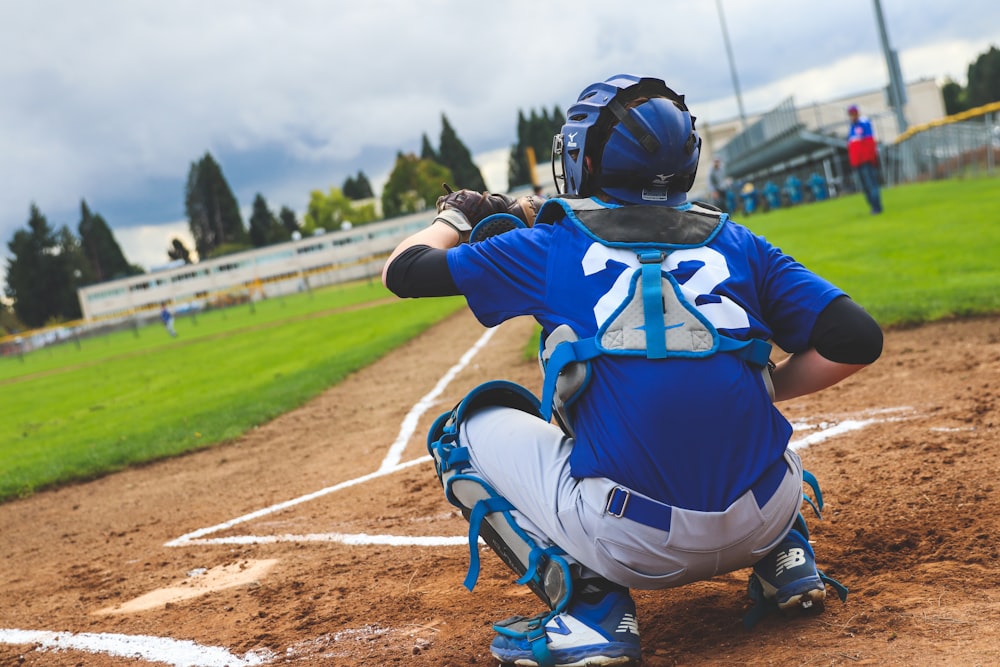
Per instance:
(73,414)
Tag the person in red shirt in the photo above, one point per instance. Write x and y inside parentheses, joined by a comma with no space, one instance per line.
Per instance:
(862,151)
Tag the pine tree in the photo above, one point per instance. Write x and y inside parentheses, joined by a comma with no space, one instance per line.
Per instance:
(364,186)
(212,210)
(518,171)
(73,270)
(264,226)
(535,132)
(288,220)
(427,151)
(984,79)
(454,156)
(105,259)
(350,188)
(40,278)
(357,187)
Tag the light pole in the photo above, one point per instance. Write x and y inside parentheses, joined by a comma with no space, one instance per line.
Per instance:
(732,65)
(897,91)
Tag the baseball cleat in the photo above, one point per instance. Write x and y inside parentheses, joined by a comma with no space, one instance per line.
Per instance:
(788,574)
(602,633)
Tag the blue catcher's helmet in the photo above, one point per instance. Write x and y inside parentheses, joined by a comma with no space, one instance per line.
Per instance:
(640,140)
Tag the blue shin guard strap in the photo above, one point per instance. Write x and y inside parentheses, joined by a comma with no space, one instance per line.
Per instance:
(455,458)
(841,589)
(533,631)
(476,518)
(761,605)
(536,555)
(813,483)
(540,644)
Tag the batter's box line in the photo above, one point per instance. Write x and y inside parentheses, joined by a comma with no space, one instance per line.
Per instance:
(390,464)
(198,536)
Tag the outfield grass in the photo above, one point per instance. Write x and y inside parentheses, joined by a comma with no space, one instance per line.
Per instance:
(73,413)
(933,253)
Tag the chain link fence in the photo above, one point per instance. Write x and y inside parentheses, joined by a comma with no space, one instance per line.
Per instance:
(966,144)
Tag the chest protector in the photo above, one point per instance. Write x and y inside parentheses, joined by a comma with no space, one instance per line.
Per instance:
(654,320)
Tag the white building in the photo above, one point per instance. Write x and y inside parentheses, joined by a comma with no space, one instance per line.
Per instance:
(324,259)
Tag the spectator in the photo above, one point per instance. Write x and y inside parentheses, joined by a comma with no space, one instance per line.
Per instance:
(817,186)
(772,196)
(862,151)
(168,320)
(793,188)
(749,196)
(717,185)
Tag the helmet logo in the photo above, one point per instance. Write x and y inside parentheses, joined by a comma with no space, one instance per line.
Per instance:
(571,138)
(661,179)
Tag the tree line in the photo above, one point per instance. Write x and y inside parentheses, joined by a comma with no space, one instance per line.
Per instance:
(48,265)
(982,86)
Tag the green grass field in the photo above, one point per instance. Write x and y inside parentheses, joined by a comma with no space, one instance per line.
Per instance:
(934,253)
(75,412)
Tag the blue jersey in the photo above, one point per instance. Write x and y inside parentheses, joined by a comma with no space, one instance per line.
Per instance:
(694,433)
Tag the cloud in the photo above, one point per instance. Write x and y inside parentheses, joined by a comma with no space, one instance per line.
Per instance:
(111,102)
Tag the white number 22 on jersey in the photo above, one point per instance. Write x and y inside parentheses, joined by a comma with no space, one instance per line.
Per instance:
(725,314)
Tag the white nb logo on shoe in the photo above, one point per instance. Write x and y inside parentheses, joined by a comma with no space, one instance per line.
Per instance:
(786,560)
(628,624)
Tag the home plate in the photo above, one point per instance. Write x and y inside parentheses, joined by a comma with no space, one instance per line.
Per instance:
(198,582)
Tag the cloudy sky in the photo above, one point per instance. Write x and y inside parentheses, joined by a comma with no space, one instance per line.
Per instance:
(111,101)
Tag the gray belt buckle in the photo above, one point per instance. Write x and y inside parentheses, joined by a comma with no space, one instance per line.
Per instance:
(611,497)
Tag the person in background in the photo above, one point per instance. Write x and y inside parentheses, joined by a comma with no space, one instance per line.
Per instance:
(168,320)
(817,186)
(793,188)
(748,193)
(772,196)
(717,185)
(862,152)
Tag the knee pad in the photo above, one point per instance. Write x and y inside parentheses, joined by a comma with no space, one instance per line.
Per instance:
(544,571)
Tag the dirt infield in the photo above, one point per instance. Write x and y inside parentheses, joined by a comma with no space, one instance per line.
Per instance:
(310,541)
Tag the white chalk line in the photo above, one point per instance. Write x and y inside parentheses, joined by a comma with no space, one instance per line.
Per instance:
(175,652)
(194,536)
(424,404)
(389,465)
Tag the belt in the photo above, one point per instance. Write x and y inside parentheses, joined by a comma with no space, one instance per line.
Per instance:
(623,502)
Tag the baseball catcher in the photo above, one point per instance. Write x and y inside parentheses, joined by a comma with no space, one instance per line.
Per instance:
(655,456)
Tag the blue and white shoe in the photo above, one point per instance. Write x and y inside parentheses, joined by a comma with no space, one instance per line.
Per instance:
(788,575)
(600,633)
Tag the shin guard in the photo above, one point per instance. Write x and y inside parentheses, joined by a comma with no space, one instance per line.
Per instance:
(543,570)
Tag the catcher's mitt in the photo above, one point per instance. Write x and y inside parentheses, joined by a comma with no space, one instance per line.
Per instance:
(464,210)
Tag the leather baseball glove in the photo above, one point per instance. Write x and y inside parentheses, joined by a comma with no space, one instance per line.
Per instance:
(465,210)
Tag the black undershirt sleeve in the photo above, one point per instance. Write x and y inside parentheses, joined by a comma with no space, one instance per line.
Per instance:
(846,334)
(421,271)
